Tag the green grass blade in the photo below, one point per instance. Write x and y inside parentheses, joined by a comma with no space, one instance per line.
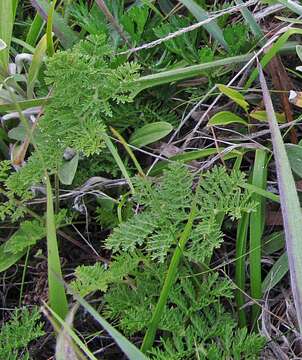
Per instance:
(23,105)
(241,239)
(169,281)
(291,5)
(66,35)
(6,30)
(256,229)
(119,161)
(290,204)
(60,325)
(276,273)
(57,296)
(35,66)
(35,30)
(131,351)
(249,18)
(187,72)
(275,49)
(200,14)
(49,26)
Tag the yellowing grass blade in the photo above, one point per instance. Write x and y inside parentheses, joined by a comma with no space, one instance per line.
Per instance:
(290,205)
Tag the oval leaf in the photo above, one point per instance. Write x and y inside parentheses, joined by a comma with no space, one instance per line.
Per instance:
(226,118)
(261,115)
(234,95)
(150,133)
(68,169)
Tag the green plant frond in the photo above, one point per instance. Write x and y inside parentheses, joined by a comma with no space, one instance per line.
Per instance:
(98,277)
(29,232)
(17,333)
(205,238)
(220,192)
(86,82)
(165,209)
(132,233)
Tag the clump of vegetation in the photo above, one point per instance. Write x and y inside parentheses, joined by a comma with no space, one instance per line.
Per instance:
(135,138)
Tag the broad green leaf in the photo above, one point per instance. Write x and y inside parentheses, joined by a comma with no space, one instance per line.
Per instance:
(200,14)
(226,118)
(261,115)
(35,66)
(68,170)
(294,153)
(150,133)
(276,273)
(18,133)
(234,95)
(130,350)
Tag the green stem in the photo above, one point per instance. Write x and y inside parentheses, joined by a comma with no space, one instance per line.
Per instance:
(169,281)
(57,295)
(240,266)
(256,229)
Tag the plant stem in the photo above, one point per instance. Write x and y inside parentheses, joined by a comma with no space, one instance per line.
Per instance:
(169,281)
(256,229)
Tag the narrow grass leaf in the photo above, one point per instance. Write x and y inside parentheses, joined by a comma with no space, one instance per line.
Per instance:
(6,29)
(129,150)
(290,204)
(57,296)
(276,273)
(272,52)
(291,5)
(240,278)
(66,35)
(256,229)
(119,161)
(200,14)
(169,281)
(35,30)
(251,21)
(49,26)
(61,325)
(23,105)
(35,66)
(188,72)
(193,155)
(130,350)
